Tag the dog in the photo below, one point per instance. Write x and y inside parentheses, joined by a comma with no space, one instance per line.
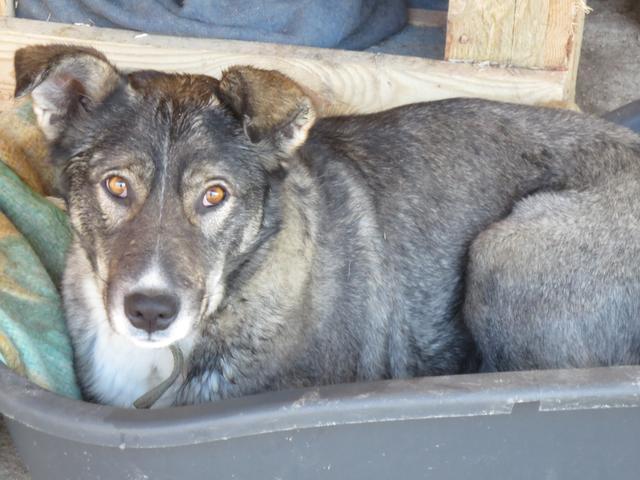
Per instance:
(277,249)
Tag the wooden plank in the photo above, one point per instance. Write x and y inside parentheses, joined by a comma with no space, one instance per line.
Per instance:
(574,49)
(343,81)
(480,31)
(419,17)
(523,33)
(545,33)
(7,8)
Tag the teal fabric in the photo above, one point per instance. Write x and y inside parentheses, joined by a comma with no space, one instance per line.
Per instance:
(33,336)
(43,225)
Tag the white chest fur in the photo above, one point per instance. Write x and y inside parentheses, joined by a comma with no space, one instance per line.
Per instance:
(122,372)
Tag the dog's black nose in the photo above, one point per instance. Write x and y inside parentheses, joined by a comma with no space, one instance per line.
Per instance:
(151,311)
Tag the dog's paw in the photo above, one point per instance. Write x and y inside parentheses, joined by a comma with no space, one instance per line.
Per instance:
(204,387)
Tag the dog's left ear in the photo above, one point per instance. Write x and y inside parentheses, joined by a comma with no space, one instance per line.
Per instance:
(272,107)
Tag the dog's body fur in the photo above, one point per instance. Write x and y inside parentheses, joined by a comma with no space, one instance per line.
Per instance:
(359,248)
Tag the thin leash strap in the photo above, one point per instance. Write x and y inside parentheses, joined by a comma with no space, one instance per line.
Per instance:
(152,396)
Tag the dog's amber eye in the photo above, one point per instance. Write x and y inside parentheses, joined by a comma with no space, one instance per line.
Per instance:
(117,186)
(214,196)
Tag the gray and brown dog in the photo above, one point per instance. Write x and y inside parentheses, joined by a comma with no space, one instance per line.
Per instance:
(277,250)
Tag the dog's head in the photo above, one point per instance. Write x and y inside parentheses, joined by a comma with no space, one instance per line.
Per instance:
(171,180)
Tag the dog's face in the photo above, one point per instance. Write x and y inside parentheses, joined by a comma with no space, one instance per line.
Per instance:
(170,179)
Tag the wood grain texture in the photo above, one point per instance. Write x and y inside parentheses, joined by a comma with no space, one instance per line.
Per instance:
(524,33)
(343,81)
(419,17)
(545,33)
(480,31)
(573,51)
(7,8)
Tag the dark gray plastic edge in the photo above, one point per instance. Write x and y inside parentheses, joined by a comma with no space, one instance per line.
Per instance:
(398,400)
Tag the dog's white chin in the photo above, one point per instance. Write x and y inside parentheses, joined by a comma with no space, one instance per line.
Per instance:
(179,330)
(152,341)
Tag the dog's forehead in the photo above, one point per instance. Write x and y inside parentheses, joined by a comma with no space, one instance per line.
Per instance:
(176,108)
(179,89)
(173,123)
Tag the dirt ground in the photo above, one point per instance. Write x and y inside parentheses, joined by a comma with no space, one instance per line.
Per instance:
(608,77)
(10,466)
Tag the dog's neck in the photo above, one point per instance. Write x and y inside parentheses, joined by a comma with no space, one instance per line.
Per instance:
(286,239)
(271,291)
(287,262)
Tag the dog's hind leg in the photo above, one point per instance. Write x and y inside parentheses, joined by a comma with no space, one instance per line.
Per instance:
(557,283)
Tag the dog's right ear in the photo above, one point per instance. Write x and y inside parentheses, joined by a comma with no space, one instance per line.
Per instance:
(65,82)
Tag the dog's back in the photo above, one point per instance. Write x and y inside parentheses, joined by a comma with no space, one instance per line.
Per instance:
(445,173)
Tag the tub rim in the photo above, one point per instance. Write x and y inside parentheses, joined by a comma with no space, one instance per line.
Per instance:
(380,401)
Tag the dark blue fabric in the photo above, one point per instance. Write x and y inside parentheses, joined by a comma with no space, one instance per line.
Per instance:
(430,4)
(348,24)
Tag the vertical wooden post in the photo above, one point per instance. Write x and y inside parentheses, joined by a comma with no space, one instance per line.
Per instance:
(541,34)
(538,34)
(480,31)
(574,54)
(7,8)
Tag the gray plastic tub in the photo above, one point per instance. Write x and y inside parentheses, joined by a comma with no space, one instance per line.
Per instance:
(562,424)
(546,425)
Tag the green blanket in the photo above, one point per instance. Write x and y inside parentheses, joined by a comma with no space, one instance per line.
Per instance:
(34,236)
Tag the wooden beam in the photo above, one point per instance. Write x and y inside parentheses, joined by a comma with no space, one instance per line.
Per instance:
(546,32)
(523,33)
(480,31)
(343,81)
(419,17)
(573,53)
(7,8)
